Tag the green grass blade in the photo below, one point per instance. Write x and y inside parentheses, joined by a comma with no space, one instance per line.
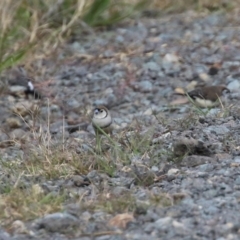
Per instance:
(98,7)
(13,59)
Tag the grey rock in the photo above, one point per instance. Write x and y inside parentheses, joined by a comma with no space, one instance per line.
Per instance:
(206,167)
(118,191)
(218,130)
(145,86)
(77,47)
(3,137)
(53,111)
(180,227)
(229,64)
(102,101)
(192,161)
(173,171)
(211,210)
(120,39)
(201,174)
(94,176)
(56,222)
(153,66)
(4,235)
(19,134)
(237,159)
(227,173)
(108,53)
(164,223)
(237,181)
(58,126)
(211,193)
(73,103)
(213,112)
(54,108)
(234,85)
(18,90)
(80,181)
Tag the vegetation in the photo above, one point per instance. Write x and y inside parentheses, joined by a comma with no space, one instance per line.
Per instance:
(35,29)
(30,29)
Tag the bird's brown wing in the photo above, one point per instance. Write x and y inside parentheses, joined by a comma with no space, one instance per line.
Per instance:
(213,93)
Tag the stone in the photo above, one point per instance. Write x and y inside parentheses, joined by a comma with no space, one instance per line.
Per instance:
(19,134)
(56,222)
(234,85)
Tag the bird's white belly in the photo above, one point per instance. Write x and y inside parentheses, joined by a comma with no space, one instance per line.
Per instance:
(102,122)
(205,103)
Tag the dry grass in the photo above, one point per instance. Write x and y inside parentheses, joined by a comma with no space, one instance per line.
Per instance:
(28,204)
(22,196)
(35,29)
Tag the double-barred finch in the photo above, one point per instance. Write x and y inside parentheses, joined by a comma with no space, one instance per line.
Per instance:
(30,90)
(19,77)
(207,96)
(102,120)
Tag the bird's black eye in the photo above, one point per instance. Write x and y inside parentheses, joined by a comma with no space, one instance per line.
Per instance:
(101,110)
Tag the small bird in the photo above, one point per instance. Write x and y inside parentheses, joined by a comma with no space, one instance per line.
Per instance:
(19,77)
(30,90)
(207,96)
(102,120)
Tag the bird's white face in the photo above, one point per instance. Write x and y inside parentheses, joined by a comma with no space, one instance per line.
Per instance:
(100,113)
(101,117)
(30,85)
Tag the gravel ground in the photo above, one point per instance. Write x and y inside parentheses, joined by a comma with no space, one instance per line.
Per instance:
(181,179)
